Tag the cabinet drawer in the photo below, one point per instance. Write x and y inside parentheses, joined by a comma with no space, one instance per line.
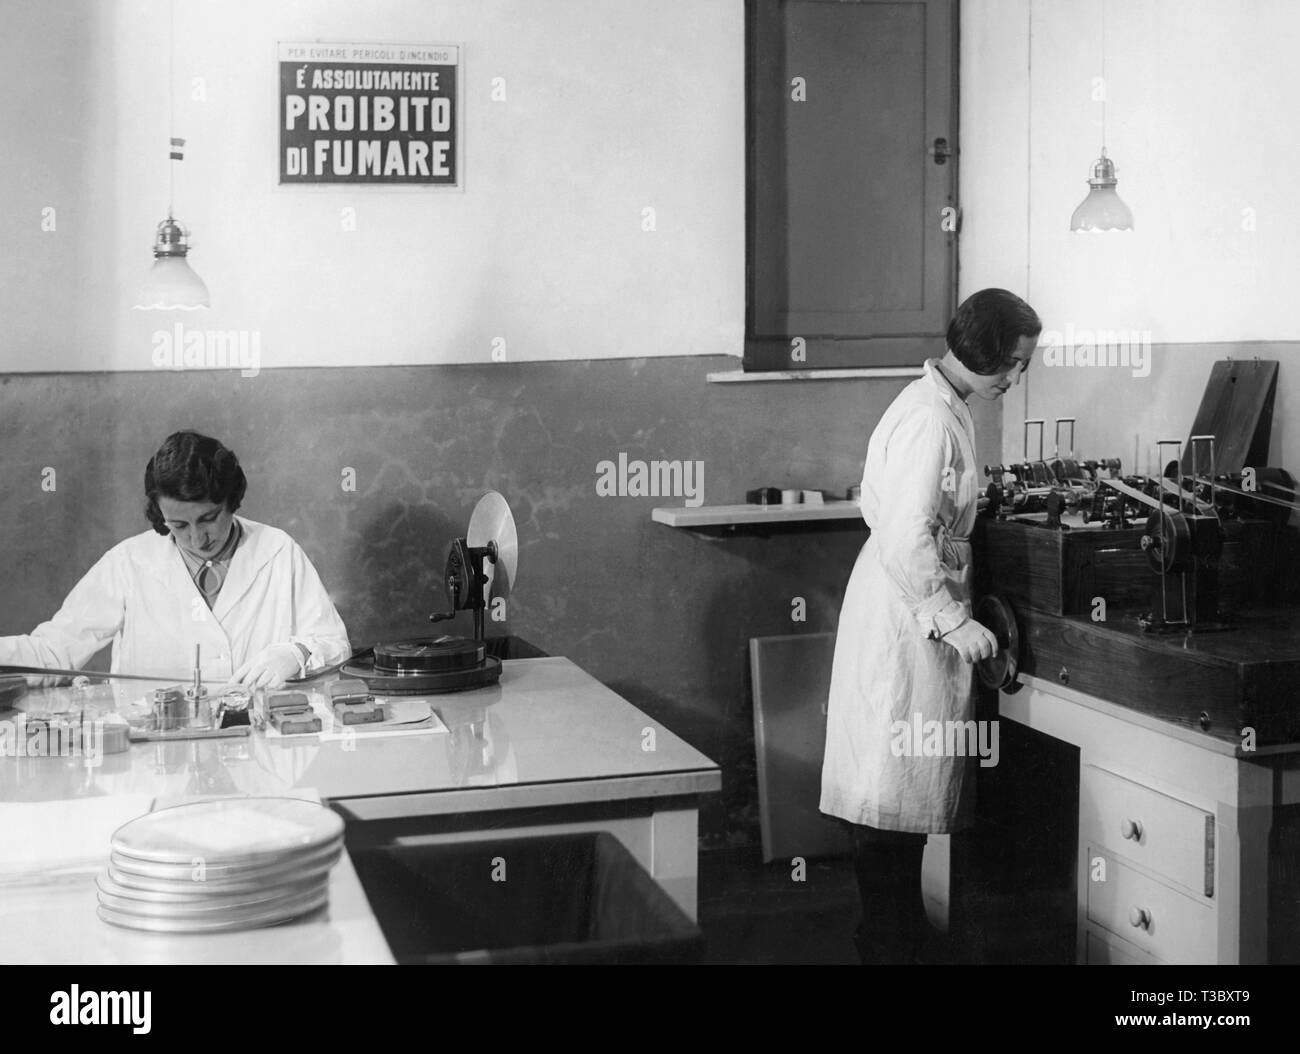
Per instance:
(1106,950)
(1163,834)
(1153,917)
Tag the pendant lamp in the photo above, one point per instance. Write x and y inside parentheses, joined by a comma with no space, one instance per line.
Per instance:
(171,284)
(1102,210)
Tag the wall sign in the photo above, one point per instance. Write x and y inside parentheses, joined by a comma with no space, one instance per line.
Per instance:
(370,113)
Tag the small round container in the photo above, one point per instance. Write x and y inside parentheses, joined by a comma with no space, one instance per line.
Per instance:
(171,708)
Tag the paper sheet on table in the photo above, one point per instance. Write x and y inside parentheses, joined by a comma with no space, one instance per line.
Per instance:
(406,717)
(60,835)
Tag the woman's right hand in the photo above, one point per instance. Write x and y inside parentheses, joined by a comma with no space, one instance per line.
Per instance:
(973,641)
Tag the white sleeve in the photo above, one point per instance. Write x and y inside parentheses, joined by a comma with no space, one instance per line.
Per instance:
(317,625)
(90,618)
(909,483)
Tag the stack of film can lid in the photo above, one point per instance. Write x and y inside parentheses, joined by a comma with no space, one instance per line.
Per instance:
(221,865)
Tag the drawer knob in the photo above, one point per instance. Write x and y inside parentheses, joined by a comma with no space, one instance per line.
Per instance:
(1131,829)
(1139,918)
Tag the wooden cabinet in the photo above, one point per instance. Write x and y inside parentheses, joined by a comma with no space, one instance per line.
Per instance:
(1183,840)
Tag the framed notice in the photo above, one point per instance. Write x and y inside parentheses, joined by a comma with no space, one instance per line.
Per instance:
(370,113)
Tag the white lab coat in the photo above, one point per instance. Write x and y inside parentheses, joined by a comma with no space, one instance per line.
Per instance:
(141,597)
(911,579)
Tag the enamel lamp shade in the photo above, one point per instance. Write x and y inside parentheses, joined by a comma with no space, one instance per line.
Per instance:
(1102,210)
(171,284)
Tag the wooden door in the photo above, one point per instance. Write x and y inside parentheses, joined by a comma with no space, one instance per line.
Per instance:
(850,247)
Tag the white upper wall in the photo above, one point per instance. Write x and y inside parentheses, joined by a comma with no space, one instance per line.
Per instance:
(1199,120)
(1199,124)
(612,107)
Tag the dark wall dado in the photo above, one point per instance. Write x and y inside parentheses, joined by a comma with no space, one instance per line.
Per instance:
(663,616)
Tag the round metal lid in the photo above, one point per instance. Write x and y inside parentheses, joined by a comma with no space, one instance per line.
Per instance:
(199,870)
(229,831)
(235,919)
(129,901)
(152,888)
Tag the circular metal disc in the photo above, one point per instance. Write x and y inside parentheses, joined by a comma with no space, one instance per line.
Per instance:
(1001,670)
(435,683)
(1171,544)
(433,655)
(131,901)
(229,831)
(270,870)
(150,888)
(234,919)
(492,521)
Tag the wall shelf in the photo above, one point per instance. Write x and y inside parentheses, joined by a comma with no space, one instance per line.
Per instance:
(745,515)
(743,377)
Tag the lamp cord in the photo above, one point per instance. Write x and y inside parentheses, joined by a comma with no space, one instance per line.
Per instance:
(1105,86)
(1029,139)
(1029,165)
(171,113)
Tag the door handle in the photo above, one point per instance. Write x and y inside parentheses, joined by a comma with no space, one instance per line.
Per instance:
(940,151)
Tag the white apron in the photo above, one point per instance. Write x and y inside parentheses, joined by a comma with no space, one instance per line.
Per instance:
(911,579)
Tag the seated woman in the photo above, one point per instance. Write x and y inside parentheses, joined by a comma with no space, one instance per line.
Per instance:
(244,592)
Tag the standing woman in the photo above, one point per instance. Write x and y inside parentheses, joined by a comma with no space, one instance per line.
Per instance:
(906,639)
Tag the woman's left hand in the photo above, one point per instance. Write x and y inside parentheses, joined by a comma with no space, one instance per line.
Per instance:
(271,668)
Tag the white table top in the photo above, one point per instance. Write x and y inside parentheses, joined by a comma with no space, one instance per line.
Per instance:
(547,734)
(547,724)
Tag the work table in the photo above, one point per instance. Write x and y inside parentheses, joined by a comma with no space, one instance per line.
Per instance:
(547,748)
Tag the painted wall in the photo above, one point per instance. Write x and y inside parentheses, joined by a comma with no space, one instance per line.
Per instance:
(1198,95)
(611,107)
(649,99)
(663,616)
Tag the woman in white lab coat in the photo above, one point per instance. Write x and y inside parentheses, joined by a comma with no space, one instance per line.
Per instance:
(242,591)
(906,639)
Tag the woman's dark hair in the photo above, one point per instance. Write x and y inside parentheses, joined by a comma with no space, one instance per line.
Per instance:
(987,327)
(192,467)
